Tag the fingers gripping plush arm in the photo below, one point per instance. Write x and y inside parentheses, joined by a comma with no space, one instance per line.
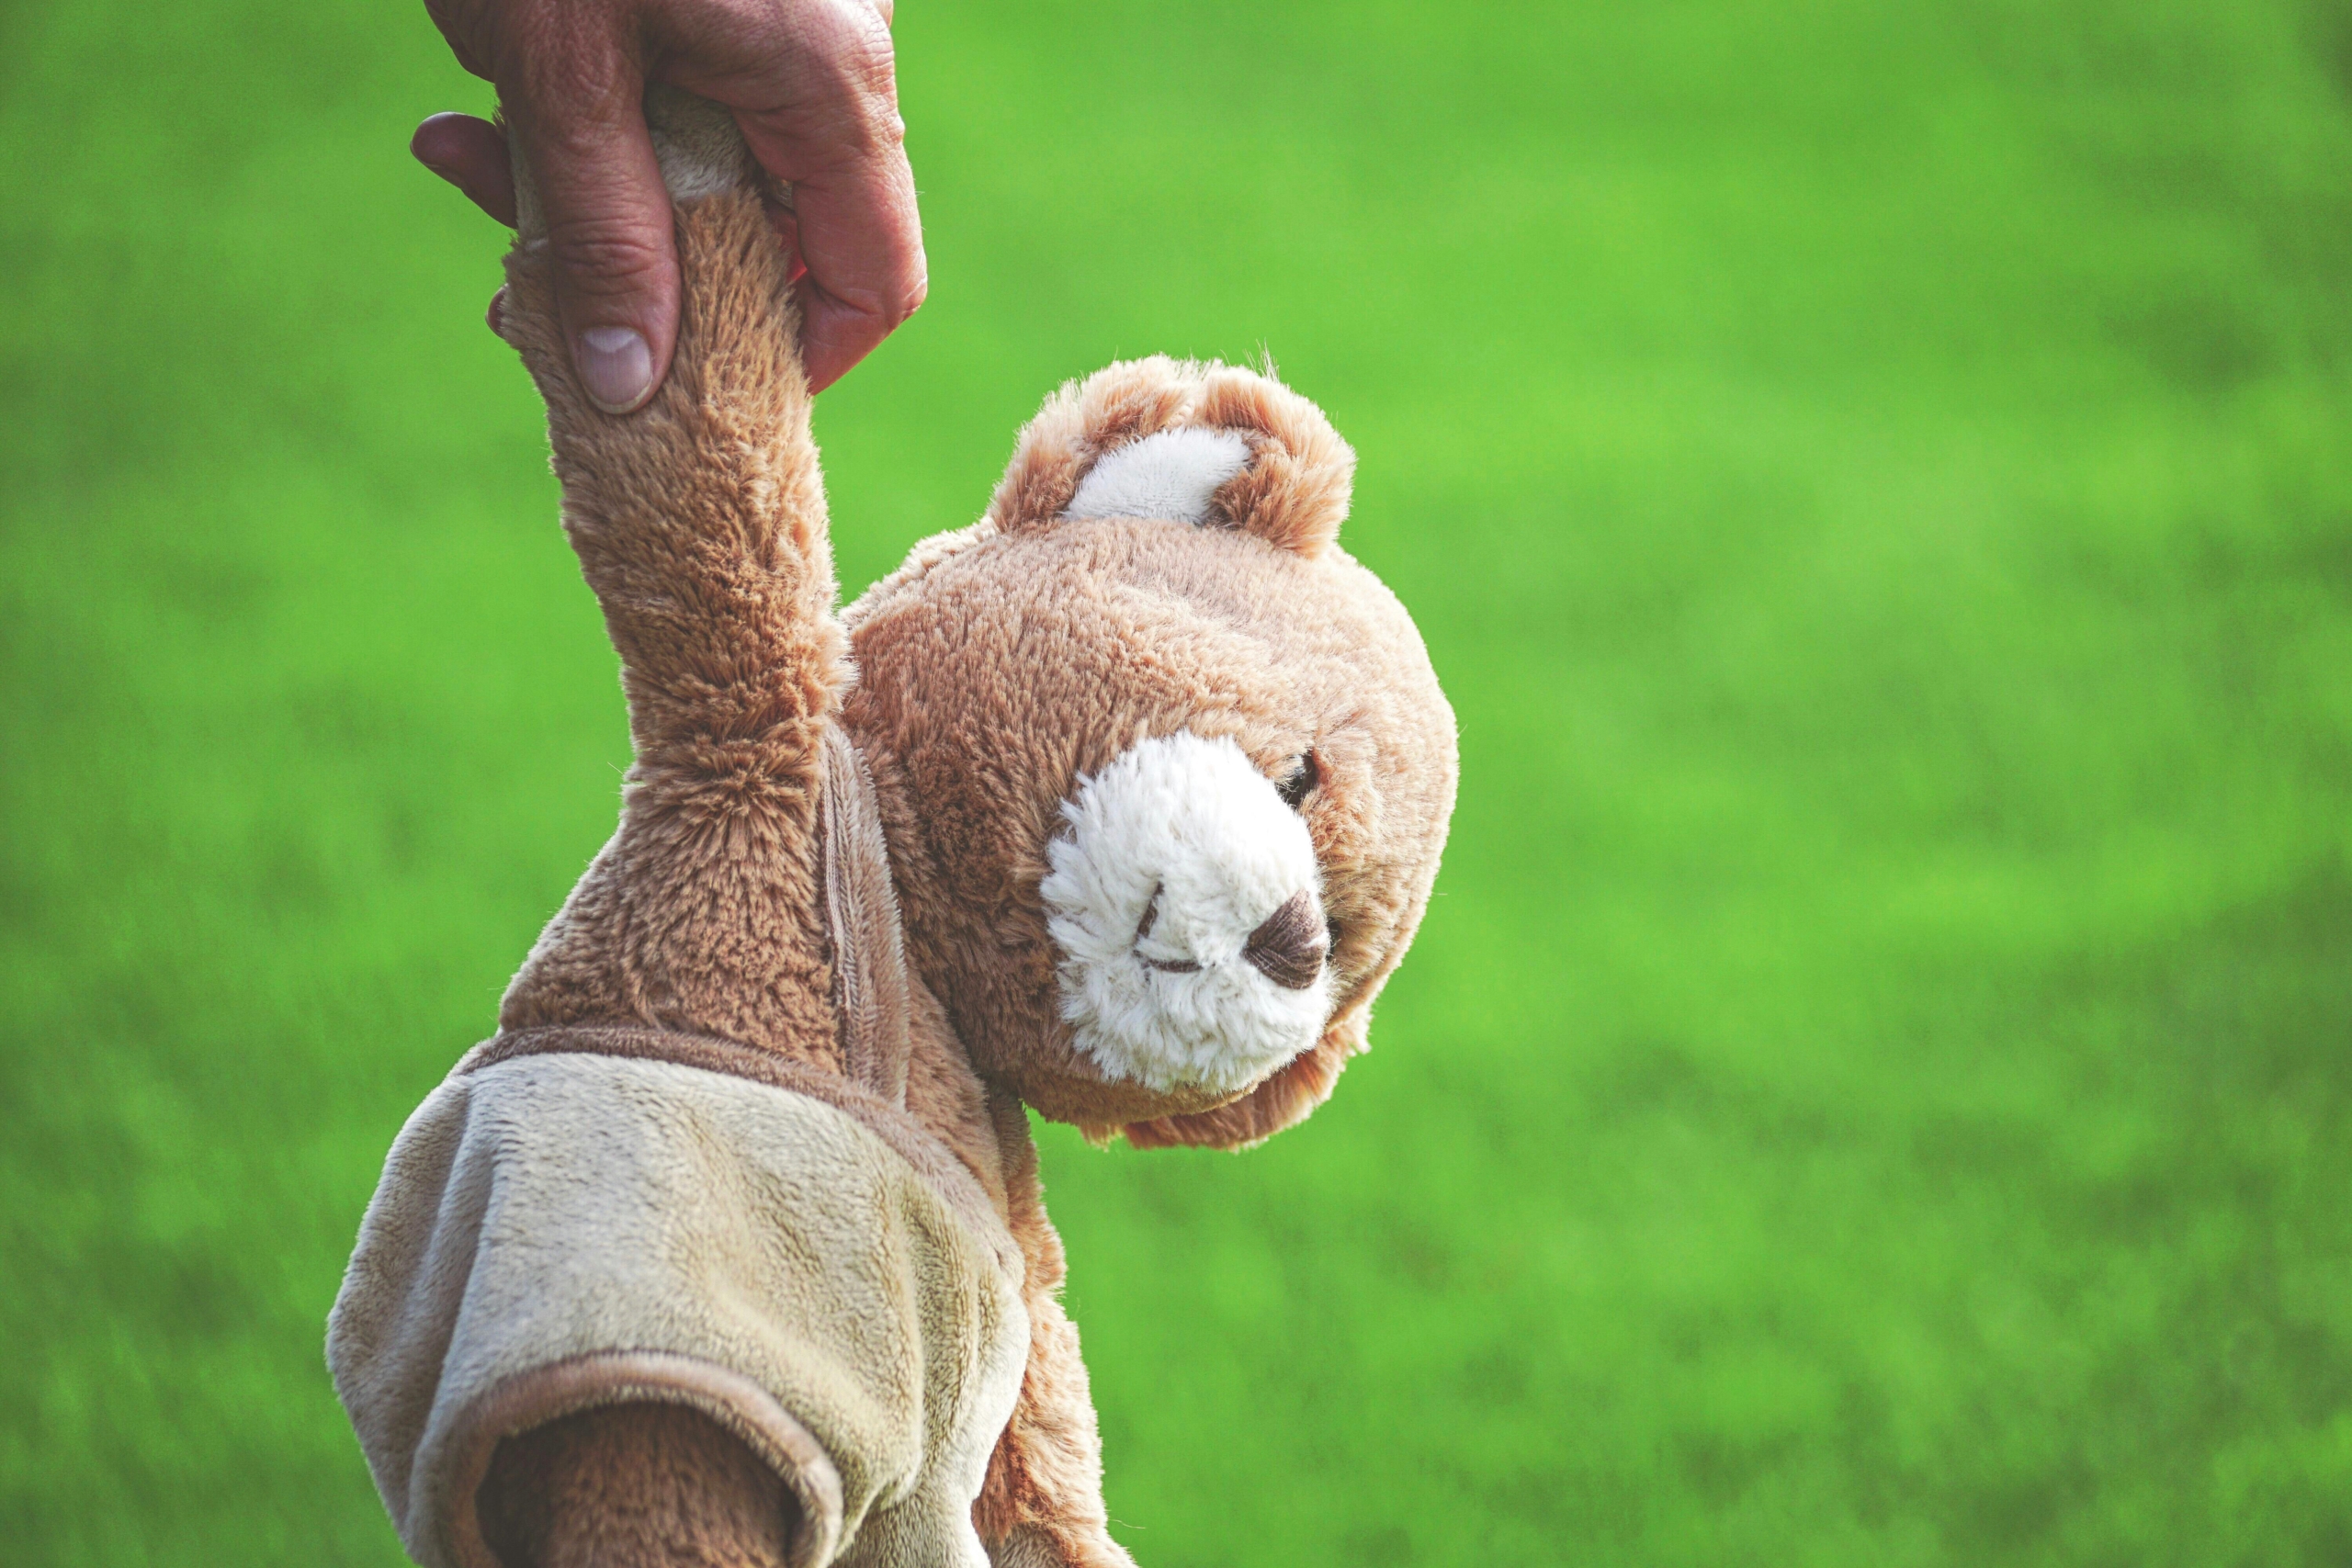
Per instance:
(699,522)
(812,85)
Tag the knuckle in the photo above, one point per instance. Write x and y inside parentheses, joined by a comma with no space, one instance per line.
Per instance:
(862,38)
(469,30)
(826,81)
(561,62)
(606,259)
(455,18)
(909,301)
(860,69)
(887,306)
(565,90)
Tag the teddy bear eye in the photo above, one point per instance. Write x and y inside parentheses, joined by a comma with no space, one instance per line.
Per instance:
(1304,776)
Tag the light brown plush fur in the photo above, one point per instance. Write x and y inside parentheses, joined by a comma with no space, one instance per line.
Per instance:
(1000,666)
(700,523)
(1072,641)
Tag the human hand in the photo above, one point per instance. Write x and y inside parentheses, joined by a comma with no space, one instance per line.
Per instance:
(811,84)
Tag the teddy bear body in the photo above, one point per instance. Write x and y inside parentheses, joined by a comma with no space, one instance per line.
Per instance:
(1120,804)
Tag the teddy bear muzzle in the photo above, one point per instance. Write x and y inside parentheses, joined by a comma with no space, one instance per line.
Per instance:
(1186,904)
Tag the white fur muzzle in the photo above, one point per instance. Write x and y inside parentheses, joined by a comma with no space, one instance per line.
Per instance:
(1180,855)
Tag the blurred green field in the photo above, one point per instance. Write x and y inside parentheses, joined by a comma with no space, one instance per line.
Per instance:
(1876,1083)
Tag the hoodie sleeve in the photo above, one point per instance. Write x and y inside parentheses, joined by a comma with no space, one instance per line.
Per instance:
(559,1232)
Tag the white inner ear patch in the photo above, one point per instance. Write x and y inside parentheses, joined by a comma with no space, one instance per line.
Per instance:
(1173,475)
(1177,854)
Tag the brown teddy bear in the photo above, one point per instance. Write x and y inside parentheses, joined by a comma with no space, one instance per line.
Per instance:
(1121,803)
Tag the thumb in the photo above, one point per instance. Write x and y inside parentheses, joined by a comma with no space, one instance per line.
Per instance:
(581,131)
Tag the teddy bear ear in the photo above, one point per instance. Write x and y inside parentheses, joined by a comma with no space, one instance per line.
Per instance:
(1213,445)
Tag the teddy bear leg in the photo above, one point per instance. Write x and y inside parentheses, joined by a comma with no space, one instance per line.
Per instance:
(1041,1506)
(640,1486)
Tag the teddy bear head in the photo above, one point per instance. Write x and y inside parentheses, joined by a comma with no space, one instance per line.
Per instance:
(1166,772)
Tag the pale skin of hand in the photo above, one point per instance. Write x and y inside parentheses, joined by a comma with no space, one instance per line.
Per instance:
(812,85)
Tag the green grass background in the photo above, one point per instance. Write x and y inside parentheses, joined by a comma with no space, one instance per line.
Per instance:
(1876,482)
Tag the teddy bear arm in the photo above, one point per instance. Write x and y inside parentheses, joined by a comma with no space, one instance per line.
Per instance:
(699,520)
(635,1484)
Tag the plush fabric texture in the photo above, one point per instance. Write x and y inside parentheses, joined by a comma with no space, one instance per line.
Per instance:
(1174,859)
(700,523)
(870,979)
(729,1248)
(559,1232)
(637,1483)
(1255,627)
(1174,475)
(975,1190)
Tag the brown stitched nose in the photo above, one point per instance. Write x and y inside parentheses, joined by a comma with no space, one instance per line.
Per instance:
(1289,944)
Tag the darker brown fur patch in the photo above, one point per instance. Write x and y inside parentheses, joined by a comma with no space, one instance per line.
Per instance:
(634,1485)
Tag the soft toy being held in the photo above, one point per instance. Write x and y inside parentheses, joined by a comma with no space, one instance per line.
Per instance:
(1121,803)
